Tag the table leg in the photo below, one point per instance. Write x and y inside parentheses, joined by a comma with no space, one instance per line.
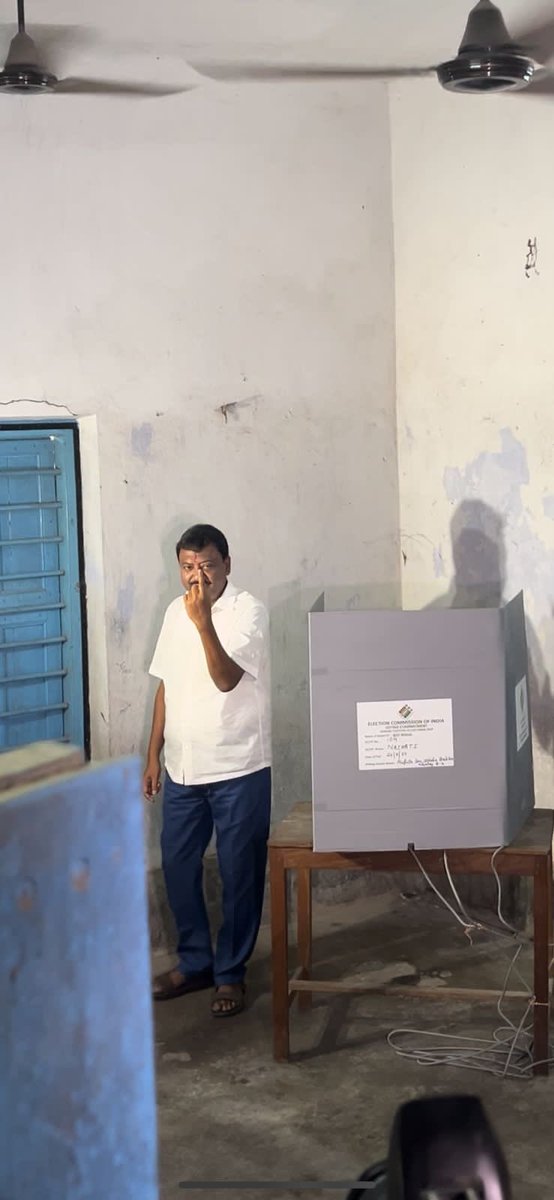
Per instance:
(279,954)
(304,926)
(550,914)
(542,922)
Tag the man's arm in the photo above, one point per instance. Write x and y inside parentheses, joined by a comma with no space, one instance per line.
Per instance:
(224,671)
(152,774)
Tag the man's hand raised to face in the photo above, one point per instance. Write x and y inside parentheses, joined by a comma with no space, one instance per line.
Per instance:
(197,602)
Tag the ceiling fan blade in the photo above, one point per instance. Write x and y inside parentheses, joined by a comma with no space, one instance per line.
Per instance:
(537,40)
(303,71)
(103,87)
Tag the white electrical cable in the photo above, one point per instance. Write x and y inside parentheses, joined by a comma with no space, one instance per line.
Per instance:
(509,1052)
(499,890)
(453,886)
(467,925)
(516,935)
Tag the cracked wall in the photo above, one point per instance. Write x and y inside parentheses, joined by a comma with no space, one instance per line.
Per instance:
(211,281)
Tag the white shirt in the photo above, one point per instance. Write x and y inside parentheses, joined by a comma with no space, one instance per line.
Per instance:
(209,734)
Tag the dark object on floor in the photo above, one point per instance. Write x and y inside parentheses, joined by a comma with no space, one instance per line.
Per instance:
(443,1146)
(377,1176)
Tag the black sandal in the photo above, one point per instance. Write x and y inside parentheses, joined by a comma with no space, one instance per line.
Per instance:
(165,989)
(236,1000)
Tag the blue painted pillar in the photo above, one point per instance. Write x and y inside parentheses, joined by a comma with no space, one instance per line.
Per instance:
(77,1098)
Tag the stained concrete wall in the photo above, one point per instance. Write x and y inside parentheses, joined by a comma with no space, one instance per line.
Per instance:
(473,184)
(206,284)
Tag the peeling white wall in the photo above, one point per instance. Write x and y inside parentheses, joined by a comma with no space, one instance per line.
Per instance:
(473,183)
(209,278)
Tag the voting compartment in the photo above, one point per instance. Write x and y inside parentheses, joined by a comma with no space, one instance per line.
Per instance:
(420,728)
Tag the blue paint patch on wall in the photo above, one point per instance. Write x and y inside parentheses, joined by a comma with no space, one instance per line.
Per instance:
(491,476)
(141,441)
(126,600)
(438,563)
(495,480)
(548,507)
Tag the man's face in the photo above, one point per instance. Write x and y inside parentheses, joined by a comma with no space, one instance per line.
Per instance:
(213,567)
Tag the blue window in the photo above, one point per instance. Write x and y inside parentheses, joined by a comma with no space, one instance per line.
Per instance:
(42,661)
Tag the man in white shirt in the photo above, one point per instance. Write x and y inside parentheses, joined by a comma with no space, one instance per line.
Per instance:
(212,716)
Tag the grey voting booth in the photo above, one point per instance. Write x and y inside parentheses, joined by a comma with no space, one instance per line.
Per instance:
(420,728)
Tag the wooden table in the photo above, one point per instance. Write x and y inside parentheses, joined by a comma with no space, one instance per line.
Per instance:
(291,848)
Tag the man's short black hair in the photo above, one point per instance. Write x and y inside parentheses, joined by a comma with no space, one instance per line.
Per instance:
(200,536)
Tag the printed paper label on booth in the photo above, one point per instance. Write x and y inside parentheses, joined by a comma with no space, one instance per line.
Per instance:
(522,713)
(404,734)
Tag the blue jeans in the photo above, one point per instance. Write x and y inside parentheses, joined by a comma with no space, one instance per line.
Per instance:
(239,810)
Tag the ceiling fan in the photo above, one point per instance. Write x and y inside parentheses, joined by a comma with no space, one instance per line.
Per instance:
(24,71)
(488,60)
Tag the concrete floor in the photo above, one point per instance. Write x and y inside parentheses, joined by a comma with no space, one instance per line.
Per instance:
(227,1111)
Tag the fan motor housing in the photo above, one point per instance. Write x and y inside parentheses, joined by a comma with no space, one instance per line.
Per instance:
(486,72)
(26,79)
(22,70)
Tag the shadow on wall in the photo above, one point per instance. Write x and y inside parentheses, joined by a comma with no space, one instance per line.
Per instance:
(479,554)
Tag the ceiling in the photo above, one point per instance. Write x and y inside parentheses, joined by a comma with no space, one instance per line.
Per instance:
(369,32)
